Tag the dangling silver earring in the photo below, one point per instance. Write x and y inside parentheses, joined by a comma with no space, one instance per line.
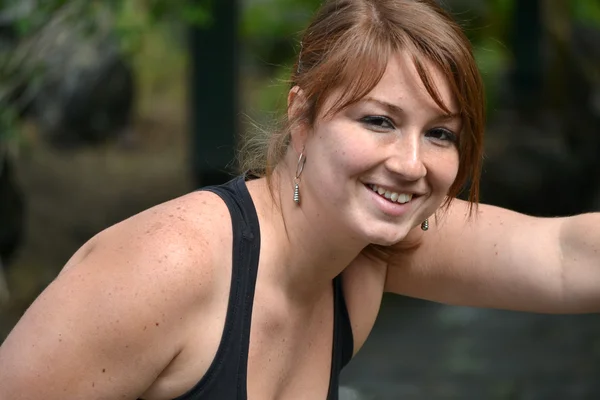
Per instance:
(425,225)
(299,169)
(296,192)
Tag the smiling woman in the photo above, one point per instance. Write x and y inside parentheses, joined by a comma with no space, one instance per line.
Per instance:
(347,48)
(396,138)
(265,287)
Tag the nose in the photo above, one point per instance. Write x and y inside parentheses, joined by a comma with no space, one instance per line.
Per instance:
(406,158)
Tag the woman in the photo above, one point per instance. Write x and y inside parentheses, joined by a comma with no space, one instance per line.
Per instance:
(264,288)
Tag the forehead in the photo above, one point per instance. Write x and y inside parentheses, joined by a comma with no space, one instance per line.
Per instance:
(401,84)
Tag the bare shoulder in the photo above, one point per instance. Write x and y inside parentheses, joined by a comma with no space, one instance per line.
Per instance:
(165,248)
(116,316)
(182,231)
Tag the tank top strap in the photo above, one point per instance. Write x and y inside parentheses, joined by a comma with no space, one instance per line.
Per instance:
(347,337)
(343,341)
(227,375)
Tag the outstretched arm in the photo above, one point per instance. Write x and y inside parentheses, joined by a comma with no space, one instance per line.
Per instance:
(502,259)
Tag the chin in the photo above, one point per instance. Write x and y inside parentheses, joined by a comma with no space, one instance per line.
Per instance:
(385,241)
(387,236)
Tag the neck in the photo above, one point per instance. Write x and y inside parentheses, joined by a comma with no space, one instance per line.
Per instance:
(304,251)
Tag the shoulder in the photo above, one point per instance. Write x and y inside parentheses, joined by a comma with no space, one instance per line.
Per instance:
(123,302)
(174,251)
(182,234)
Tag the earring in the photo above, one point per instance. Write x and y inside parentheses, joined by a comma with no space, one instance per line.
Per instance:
(296,192)
(299,169)
(425,225)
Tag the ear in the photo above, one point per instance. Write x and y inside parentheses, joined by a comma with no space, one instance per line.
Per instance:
(298,131)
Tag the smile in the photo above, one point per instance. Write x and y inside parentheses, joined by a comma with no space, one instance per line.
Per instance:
(401,198)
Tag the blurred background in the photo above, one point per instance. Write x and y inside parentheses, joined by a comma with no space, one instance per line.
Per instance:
(109,107)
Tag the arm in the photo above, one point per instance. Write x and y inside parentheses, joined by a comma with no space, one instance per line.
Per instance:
(502,259)
(112,320)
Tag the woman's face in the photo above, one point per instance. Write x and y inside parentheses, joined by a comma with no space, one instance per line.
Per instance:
(380,167)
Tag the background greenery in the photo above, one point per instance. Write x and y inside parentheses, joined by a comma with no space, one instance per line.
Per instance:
(148,30)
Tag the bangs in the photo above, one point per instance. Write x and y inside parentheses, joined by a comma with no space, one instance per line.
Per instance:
(344,53)
(346,50)
(355,65)
(364,62)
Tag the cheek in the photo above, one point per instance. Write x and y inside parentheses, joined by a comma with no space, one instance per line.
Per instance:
(445,170)
(452,170)
(344,148)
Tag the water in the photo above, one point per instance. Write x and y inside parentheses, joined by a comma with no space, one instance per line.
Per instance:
(424,351)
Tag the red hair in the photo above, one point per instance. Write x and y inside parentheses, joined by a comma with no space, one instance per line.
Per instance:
(349,44)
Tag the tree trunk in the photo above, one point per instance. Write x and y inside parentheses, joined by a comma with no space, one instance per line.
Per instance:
(214,95)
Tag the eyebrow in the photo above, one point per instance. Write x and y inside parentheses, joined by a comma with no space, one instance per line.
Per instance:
(399,111)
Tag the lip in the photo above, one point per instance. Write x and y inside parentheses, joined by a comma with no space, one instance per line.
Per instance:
(390,208)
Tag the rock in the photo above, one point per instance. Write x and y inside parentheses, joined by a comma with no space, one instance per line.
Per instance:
(537,165)
(72,78)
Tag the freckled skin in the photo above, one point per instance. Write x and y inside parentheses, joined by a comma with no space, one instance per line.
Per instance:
(170,267)
(345,153)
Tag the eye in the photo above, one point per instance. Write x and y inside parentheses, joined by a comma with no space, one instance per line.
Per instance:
(378,123)
(442,134)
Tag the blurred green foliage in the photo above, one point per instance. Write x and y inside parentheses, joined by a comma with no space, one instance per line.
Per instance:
(276,18)
(35,14)
(274,26)
(270,31)
(127,22)
(586,11)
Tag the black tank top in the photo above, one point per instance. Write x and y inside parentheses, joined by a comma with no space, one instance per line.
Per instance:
(226,376)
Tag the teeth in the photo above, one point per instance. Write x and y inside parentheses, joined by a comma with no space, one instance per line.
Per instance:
(392,196)
(404,198)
